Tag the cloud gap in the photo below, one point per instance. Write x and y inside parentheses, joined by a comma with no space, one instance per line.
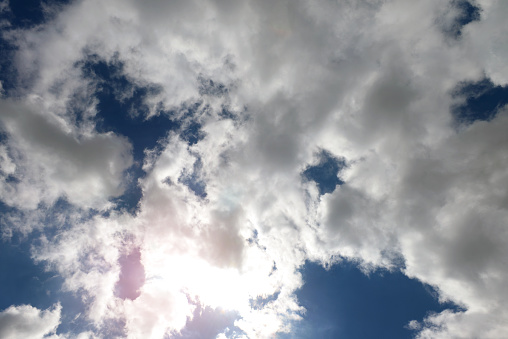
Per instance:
(479,101)
(193,133)
(386,300)
(460,14)
(30,13)
(469,12)
(122,107)
(193,179)
(325,173)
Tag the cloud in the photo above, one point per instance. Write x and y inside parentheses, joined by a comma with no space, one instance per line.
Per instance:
(26,321)
(492,50)
(53,160)
(370,82)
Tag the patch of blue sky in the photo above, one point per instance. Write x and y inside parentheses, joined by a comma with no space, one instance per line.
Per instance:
(192,133)
(115,115)
(121,107)
(343,302)
(469,12)
(193,180)
(325,173)
(129,200)
(7,73)
(29,13)
(24,282)
(478,100)
(466,12)
(127,116)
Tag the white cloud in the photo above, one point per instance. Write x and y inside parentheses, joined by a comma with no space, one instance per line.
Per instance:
(53,160)
(7,166)
(28,322)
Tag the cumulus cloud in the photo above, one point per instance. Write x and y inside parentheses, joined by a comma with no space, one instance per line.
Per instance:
(53,161)
(270,85)
(26,321)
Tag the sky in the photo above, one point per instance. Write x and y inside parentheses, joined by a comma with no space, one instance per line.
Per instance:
(253,169)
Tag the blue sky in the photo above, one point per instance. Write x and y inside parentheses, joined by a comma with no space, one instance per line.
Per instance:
(253,169)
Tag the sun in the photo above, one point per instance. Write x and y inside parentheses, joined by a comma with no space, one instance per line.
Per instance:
(212,286)
(226,288)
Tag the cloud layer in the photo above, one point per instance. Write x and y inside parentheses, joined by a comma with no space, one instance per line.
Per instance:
(269,88)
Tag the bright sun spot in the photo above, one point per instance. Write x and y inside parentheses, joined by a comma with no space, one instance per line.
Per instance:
(213,286)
